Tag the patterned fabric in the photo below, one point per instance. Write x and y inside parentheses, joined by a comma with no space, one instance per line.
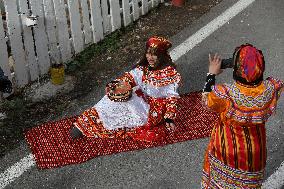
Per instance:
(127,77)
(258,101)
(223,176)
(236,154)
(90,124)
(108,116)
(157,110)
(149,105)
(52,145)
(247,105)
(160,78)
(159,43)
(161,85)
(250,63)
(171,108)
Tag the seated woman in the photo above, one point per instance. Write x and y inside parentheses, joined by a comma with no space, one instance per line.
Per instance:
(236,153)
(146,96)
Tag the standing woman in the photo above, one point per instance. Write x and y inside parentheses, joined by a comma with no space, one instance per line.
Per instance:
(152,101)
(236,154)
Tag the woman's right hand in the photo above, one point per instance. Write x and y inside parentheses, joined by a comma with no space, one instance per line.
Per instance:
(215,64)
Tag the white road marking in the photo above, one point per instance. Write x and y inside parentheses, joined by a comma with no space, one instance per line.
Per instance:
(207,30)
(16,170)
(276,179)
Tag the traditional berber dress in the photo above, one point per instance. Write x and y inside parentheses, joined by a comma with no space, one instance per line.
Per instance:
(154,98)
(236,154)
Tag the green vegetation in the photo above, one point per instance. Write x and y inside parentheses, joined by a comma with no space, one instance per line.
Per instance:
(16,106)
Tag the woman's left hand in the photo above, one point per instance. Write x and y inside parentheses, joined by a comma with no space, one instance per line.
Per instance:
(170,126)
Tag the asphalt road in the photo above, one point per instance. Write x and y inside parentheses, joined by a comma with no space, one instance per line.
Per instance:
(180,165)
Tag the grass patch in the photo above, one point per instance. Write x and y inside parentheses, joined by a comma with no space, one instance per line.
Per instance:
(16,106)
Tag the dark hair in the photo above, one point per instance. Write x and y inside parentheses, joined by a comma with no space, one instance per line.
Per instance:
(236,76)
(164,60)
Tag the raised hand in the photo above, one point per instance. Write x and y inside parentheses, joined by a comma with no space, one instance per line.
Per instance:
(215,64)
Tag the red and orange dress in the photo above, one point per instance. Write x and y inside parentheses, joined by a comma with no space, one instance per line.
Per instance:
(154,99)
(236,154)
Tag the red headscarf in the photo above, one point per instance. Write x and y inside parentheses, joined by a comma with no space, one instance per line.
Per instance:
(160,43)
(249,64)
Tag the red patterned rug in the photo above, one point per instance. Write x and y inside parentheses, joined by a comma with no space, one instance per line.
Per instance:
(52,145)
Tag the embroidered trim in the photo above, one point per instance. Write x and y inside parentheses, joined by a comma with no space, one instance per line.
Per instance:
(159,78)
(220,91)
(205,180)
(259,112)
(224,176)
(171,108)
(127,77)
(249,101)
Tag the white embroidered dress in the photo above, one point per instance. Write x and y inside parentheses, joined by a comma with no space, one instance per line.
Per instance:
(135,112)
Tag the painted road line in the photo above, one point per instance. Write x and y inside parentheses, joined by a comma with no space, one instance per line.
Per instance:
(276,180)
(16,170)
(207,30)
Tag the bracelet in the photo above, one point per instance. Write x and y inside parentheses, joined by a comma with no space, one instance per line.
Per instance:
(210,81)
